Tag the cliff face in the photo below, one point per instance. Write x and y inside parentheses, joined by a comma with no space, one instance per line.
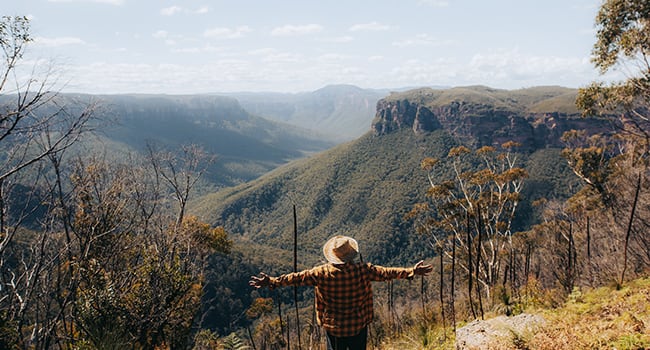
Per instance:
(482,124)
(400,114)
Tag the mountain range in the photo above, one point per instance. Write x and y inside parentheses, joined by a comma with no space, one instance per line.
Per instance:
(338,112)
(280,152)
(245,145)
(364,187)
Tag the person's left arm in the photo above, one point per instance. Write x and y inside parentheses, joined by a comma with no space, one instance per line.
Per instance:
(380,273)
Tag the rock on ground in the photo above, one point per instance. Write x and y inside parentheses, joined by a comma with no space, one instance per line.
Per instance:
(501,332)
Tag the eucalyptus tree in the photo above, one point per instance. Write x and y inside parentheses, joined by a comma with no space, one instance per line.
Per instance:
(477,206)
(618,171)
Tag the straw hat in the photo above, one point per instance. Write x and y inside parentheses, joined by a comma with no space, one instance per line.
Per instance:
(340,249)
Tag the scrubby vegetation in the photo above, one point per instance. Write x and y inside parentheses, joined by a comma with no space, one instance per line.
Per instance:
(589,318)
(101,253)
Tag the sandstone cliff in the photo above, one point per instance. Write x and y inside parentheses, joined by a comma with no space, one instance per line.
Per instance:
(478,116)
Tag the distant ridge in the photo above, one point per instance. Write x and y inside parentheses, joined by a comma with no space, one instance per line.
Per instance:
(339,112)
(365,186)
(246,146)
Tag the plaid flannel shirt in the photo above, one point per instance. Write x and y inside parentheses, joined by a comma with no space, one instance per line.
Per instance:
(343,293)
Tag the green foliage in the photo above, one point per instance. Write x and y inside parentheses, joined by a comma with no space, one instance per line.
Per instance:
(206,340)
(135,289)
(362,188)
(233,342)
(622,38)
(10,338)
(260,306)
(623,32)
(206,238)
(226,293)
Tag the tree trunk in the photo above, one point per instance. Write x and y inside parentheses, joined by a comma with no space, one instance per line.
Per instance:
(629,228)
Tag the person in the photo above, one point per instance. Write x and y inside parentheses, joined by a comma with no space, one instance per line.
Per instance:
(342,290)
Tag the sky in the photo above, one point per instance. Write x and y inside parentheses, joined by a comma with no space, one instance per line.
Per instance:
(208,46)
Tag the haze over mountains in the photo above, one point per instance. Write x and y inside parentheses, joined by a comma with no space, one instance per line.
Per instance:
(249,133)
(338,112)
(361,187)
(364,187)
(245,144)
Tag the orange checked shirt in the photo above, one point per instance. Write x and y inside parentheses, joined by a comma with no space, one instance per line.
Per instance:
(343,294)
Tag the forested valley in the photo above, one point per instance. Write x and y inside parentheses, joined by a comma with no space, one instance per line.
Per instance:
(529,203)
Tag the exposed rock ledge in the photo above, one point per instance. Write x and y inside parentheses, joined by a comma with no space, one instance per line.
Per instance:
(501,332)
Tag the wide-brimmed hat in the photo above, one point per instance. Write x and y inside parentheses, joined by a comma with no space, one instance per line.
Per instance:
(340,249)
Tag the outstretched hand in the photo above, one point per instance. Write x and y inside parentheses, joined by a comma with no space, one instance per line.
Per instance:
(421,269)
(257,282)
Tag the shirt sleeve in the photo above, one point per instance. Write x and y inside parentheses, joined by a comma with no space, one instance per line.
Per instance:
(302,278)
(380,273)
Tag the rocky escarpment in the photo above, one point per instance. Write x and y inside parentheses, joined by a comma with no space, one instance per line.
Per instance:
(481,124)
(400,114)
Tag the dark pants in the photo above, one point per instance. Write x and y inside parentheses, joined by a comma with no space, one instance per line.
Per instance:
(355,342)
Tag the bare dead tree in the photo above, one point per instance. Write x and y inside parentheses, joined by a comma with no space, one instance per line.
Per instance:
(38,125)
(180,172)
(629,229)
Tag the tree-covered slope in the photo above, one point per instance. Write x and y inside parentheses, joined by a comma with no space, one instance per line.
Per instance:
(245,146)
(364,188)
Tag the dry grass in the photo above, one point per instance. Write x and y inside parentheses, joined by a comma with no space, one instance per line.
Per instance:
(604,318)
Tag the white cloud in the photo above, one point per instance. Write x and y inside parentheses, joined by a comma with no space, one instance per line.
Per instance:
(60,41)
(339,39)
(418,72)
(109,2)
(203,49)
(202,10)
(227,33)
(262,51)
(332,57)
(422,40)
(169,11)
(282,57)
(434,3)
(172,10)
(524,66)
(161,34)
(370,27)
(292,30)
(507,69)
(166,37)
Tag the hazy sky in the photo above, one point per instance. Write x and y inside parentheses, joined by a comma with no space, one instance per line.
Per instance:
(196,46)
